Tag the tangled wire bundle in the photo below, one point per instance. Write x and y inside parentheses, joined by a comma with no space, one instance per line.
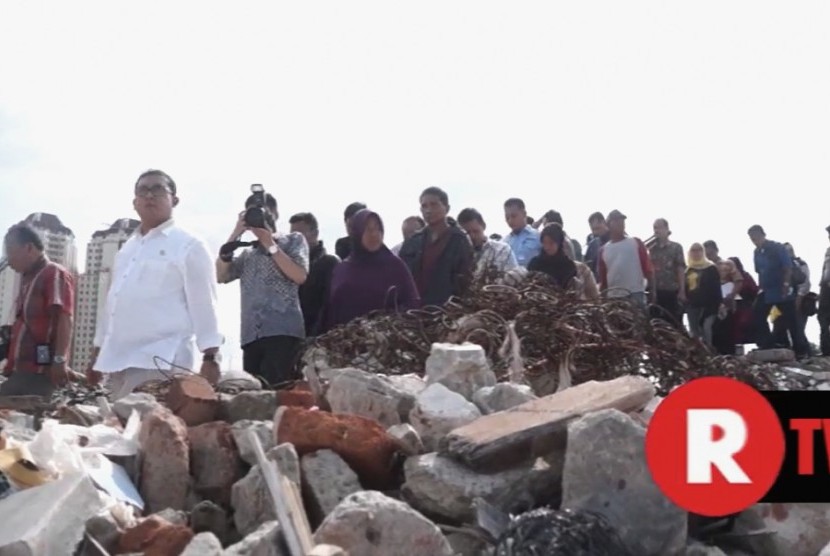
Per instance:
(595,340)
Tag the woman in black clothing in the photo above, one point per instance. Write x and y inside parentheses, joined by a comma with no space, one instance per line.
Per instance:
(703,294)
(744,327)
(552,260)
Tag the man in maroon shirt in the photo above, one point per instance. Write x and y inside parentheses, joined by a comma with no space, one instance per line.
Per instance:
(440,256)
(42,329)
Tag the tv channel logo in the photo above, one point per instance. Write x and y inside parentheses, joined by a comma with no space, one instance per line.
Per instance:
(715,446)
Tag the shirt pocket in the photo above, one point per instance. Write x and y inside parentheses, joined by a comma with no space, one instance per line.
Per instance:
(159,277)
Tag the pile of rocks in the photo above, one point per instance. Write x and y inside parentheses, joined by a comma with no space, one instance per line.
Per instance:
(387,465)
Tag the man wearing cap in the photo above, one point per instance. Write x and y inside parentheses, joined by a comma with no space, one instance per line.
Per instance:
(624,265)
(824,302)
(774,267)
(42,329)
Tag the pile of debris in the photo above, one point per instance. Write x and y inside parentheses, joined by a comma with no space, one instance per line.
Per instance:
(511,422)
(532,331)
(449,463)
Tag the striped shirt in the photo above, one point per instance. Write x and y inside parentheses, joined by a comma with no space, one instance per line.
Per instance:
(46,286)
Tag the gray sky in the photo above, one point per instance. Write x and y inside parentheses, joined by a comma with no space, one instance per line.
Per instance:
(711,114)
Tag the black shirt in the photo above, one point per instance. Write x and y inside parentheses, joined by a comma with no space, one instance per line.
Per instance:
(343,247)
(314,290)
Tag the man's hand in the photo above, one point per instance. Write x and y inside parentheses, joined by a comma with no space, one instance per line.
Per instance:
(785,289)
(240,227)
(210,371)
(58,374)
(264,236)
(681,297)
(799,301)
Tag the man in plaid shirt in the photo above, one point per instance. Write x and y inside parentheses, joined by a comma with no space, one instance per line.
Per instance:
(42,330)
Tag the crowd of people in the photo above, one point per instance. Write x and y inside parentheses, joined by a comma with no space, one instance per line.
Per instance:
(161,307)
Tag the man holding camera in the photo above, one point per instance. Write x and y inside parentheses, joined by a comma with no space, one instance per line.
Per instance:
(161,305)
(42,329)
(270,274)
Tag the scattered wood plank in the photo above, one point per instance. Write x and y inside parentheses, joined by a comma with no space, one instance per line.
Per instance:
(502,440)
(777,355)
(287,502)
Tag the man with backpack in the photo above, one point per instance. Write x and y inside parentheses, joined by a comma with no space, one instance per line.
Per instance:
(776,272)
(800,279)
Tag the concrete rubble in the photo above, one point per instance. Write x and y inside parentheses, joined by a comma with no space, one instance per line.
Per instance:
(386,465)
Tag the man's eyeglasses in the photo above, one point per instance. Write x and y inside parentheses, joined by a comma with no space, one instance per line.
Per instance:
(155,191)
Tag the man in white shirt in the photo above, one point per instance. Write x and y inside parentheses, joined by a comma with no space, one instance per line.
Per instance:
(161,305)
(624,266)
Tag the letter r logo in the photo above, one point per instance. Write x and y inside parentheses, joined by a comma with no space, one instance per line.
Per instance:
(703,451)
(715,446)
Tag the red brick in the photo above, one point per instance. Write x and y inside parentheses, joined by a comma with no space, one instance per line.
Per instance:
(192,398)
(155,536)
(214,461)
(295,398)
(165,465)
(361,442)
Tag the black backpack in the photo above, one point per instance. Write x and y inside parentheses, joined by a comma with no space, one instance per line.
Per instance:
(797,277)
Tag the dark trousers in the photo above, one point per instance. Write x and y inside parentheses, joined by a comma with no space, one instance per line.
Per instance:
(789,320)
(780,334)
(273,358)
(723,336)
(22,383)
(824,318)
(668,308)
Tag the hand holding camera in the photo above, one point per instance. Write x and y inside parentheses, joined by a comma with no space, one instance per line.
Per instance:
(255,219)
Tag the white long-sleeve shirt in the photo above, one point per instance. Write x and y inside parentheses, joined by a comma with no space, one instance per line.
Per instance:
(161,303)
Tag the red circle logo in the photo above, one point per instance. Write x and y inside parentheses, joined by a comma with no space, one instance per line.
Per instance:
(715,446)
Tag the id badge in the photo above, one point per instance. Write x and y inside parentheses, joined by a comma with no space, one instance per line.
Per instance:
(43,355)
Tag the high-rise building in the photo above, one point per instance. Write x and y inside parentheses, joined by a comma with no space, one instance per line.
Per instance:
(59,244)
(93,285)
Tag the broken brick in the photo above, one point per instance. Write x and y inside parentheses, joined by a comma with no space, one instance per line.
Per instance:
(361,442)
(155,536)
(192,398)
(165,462)
(295,398)
(214,461)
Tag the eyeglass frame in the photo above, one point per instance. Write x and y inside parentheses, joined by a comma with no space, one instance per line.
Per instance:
(157,191)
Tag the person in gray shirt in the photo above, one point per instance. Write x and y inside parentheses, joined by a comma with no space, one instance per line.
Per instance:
(270,274)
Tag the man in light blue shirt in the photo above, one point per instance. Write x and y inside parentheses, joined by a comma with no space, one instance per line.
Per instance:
(522,239)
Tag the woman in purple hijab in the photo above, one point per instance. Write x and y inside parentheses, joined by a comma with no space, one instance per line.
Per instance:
(371,278)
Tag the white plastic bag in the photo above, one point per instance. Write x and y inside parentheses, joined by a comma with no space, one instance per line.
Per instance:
(59,448)
(55,449)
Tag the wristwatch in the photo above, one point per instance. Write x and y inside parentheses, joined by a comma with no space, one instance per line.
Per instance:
(273,249)
(59,359)
(212,357)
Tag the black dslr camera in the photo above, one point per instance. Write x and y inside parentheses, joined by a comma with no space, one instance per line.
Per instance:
(255,216)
